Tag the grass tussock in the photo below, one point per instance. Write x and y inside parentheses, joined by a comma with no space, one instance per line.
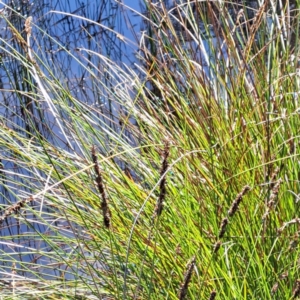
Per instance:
(197,156)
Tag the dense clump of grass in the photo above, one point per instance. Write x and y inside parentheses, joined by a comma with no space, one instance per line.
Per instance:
(199,161)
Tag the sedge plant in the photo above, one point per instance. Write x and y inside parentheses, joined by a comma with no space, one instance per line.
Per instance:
(187,187)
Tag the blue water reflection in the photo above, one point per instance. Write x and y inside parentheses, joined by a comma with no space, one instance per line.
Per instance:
(66,46)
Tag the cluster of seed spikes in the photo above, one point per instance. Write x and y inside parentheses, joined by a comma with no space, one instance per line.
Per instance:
(231,212)
(162,187)
(15,208)
(99,182)
(187,278)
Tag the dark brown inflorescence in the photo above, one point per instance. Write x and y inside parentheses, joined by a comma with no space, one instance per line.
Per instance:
(99,182)
(163,182)
(235,205)
(223,227)
(187,278)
